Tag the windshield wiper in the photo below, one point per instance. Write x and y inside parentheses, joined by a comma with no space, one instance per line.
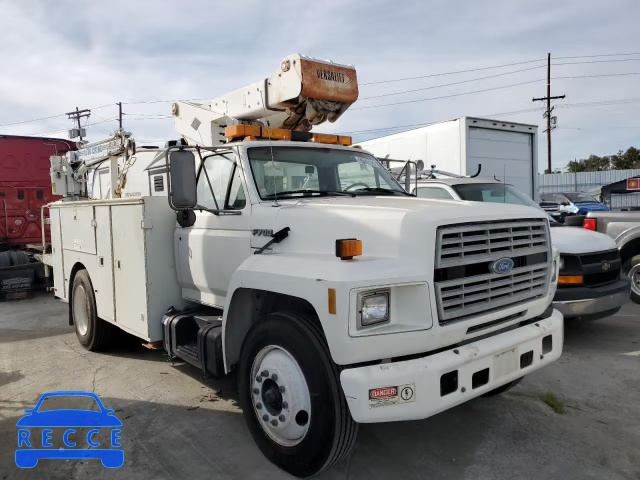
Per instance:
(319,192)
(381,190)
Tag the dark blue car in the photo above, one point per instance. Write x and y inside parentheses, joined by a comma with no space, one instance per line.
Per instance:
(574,203)
(32,447)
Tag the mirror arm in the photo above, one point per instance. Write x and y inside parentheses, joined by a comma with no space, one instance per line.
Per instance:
(200,208)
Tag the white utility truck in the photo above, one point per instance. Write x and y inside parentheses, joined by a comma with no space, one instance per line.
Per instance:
(298,261)
(507,151)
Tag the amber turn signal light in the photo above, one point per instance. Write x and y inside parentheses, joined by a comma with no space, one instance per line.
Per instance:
(570,279)
(347,248)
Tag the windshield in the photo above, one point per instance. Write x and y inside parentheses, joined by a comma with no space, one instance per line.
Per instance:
(298,171)
(493,192)
(580,197)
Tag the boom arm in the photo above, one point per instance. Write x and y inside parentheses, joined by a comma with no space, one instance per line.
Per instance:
(303,92)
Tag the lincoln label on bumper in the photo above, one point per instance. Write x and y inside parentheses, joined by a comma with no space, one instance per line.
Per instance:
(387,396)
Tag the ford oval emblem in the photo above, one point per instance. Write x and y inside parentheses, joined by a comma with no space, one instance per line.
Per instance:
(502,266)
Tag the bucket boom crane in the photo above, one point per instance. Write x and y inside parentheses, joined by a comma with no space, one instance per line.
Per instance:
(303,92)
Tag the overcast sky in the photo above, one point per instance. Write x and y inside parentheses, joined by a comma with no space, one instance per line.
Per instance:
(57,55)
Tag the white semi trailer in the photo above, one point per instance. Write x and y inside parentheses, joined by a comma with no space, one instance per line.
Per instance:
(298,261)
(504,151)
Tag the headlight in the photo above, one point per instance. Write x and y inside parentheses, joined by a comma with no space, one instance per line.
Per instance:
(561,265)
(373,307)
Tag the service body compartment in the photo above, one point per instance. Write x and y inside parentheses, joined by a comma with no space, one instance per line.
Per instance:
(126,246)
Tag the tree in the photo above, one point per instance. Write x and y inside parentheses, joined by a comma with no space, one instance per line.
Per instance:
(628,159)
(594,163)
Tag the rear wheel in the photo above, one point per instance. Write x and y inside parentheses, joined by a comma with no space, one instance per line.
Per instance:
(632,268)
(503,388)
(93,333)
(291,396)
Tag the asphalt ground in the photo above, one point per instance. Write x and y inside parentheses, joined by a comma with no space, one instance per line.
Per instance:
(180,426)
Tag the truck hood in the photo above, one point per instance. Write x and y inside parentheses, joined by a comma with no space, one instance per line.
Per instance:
(576,240)
(388,226)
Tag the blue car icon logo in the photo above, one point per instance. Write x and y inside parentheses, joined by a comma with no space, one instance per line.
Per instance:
(69,433)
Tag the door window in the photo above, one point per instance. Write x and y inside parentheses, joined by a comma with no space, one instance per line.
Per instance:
(219,184)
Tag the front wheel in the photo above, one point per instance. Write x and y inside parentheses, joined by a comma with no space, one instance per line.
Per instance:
(632,268)
(291,396)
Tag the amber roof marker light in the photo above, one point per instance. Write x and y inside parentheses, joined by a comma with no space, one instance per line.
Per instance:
(347,248)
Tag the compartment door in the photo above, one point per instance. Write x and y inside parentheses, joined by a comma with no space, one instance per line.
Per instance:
(102,276)
(130,278)
(79,233)
(57,254)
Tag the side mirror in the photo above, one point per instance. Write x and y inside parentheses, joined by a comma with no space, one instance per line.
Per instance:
(182,177)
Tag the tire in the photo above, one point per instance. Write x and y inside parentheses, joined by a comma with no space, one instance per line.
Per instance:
(631,268)
(93,333)
(503,388)
(326,433)
(5,261)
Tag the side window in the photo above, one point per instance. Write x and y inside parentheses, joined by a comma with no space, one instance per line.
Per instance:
(433,192)
(213,184)
(237,199)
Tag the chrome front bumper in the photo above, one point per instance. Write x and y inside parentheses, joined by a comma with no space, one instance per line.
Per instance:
(591,306)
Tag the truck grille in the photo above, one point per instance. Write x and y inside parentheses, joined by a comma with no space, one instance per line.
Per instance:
(600,268)
(465,284)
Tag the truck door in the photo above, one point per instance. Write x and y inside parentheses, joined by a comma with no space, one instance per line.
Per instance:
(212,249)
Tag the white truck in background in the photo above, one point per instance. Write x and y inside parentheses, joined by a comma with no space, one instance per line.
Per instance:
(507,151)
(589,283)
(295,262)
(493,161)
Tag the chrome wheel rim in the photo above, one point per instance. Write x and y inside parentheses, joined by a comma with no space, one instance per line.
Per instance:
(634,276)
(81,310)
(280,396)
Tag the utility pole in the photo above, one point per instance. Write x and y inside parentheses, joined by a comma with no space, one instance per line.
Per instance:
(547,113)
(77,115)
(120,114)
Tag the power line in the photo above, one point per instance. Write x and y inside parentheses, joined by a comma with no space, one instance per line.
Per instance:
(516,63)
(450,95)
(50,117)
(600,55)
(598,61)
(453,83)
(451,73)
(140,102)
(484,90)
(598,75)
(599,103)
(65,129)
(494,76)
